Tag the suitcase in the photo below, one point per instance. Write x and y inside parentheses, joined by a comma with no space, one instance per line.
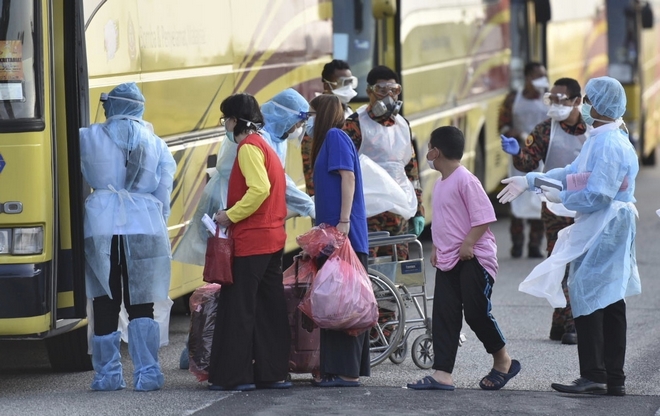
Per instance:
(305,339)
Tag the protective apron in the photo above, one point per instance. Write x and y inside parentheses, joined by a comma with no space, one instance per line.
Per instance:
(391,148)
(599,277)
(563,148)
(526,115)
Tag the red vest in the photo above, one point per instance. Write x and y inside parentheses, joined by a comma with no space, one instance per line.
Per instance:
(262,232)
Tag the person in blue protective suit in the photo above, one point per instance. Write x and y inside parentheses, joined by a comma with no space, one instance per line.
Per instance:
(127,247)
(284,116)
(600,246)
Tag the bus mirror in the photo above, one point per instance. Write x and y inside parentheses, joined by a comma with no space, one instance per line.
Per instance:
(542,11)
(647,16)
(383,8)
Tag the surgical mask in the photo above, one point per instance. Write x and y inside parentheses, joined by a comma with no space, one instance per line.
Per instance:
(309,127)
(345,93)
(386,105)
(559,112)
(296,135)
(586,116)
(541,84)
(430,163)
(230,136)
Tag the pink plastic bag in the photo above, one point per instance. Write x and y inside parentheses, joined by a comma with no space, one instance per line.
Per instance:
(341,296)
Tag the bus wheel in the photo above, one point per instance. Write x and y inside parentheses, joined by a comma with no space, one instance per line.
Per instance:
(68,352)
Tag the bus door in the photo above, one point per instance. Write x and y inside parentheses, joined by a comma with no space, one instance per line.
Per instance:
(528,36)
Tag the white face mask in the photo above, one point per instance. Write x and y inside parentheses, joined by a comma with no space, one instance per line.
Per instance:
(431,164)
(345,93)
(296,135)
(541,84)
(559,112)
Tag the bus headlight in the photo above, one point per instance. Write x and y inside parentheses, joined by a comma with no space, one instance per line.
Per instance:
(28,240)
(5,239)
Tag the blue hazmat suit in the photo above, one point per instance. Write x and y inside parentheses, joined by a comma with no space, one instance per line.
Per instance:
(600,246)
(131,171)
(281,113)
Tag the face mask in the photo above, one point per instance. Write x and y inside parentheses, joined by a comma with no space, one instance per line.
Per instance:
(430,163)
(309,127)
(345,93)
(296,135)
(559,112)
(230,136)
(385,106)
(586,116)
(541,84)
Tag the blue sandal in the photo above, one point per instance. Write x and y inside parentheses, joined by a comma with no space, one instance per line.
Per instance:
(498,378)
(429,383)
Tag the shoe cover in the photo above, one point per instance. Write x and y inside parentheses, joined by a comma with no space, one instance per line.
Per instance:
(107,362)
(143,343)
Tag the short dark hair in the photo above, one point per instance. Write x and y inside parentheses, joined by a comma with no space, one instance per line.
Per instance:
(243,106)
(572,86)
(530,67)
(450,141)
(330,68)
(381,72)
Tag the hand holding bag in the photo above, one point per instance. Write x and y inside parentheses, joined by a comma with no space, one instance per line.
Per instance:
(219,259)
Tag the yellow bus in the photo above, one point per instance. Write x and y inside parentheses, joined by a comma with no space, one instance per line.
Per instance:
(56,57)
(590,38)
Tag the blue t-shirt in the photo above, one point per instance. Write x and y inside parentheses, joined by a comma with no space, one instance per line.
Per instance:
(338,153)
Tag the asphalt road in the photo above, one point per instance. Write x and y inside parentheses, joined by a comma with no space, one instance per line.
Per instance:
(28,387)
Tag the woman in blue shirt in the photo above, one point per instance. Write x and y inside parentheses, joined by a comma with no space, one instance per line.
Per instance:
(339,201)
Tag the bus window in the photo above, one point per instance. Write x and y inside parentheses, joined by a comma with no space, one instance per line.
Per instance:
(354,39)
(19,66)
(622,41)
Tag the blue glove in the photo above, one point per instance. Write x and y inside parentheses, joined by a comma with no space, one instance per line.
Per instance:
(418,223)
(510,145)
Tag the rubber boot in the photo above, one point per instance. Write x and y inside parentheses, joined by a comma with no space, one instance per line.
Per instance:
(143,344)
(106,360)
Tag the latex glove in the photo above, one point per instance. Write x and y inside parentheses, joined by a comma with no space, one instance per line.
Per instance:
(551,194)
(510,145)
(418,224)
(515,186)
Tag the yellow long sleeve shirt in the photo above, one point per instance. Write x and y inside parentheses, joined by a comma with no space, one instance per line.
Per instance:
(252,163)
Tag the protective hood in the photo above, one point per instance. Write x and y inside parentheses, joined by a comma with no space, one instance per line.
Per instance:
(283,111)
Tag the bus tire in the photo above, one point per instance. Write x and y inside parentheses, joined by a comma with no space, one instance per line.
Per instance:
(67,352)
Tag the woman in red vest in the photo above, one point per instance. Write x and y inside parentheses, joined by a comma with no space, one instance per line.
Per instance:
(251,340)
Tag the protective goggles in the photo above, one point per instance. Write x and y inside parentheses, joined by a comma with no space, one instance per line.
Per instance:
(384,88)
(344,82)
(106,97)
(549,98)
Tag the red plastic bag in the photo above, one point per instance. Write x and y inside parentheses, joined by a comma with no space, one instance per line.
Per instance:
(219,260)
(203,309)
(341,296)
(302,271)
(322,239)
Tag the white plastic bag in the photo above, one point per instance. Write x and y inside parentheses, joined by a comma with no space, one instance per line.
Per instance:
(381,192)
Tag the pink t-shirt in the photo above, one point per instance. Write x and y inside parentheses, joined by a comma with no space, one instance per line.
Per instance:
(460,203)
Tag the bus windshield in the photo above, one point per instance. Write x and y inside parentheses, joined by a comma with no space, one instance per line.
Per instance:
(19,61)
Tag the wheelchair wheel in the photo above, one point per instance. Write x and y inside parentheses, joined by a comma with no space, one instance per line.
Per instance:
(422,351)
(385,337)
(399,355)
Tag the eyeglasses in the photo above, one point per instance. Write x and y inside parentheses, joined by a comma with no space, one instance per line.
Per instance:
(549,98)
(224,119)
(384,88)
(343,82)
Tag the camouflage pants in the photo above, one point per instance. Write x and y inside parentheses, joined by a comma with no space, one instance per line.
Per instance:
(517,230)
(396,225)
(553,224)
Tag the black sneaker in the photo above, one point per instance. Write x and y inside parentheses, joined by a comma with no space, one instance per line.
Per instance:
(581,386)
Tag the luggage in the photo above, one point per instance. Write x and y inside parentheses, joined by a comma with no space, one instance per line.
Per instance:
(305,338)
(203,308)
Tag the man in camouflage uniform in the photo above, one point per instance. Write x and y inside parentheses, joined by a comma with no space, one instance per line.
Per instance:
(556,141)
(384,80)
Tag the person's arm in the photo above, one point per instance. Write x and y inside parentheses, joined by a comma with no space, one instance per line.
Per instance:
(347,193)
(252,162)
(166,169)
(412,171)
(298,201)
(534,150)
(466,251)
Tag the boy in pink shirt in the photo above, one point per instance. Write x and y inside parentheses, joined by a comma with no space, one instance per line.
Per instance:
(465,256)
